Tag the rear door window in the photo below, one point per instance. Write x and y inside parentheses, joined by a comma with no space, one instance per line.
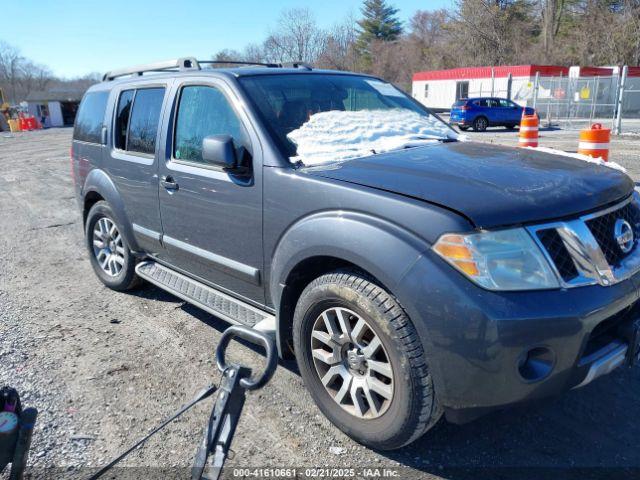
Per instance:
(144,119)
(122,119)
(90,119)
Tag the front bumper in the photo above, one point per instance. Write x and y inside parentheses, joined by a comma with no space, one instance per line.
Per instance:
(477,340)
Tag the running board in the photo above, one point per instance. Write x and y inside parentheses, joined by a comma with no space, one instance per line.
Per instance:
(209,299)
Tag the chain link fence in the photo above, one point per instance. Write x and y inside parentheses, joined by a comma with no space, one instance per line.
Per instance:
(577,102)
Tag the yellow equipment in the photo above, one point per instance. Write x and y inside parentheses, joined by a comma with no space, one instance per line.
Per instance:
(4,106)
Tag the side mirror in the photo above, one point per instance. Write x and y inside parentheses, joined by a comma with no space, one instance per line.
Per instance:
(219,150)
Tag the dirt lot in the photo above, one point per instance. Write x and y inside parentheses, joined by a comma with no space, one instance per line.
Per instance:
(105,367)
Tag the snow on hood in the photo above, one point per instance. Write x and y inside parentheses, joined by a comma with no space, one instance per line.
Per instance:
(339,135)
(579,156)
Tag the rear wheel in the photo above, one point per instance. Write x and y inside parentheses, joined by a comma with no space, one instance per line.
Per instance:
(480,124)
(362,361)
(109,253)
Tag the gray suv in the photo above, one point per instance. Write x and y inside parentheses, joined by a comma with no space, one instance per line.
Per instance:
(410,272)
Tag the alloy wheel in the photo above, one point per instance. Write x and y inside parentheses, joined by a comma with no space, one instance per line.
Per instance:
(481,124)
(352,363)
(108,247)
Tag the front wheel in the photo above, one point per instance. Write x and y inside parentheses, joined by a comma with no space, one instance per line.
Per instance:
(363,362)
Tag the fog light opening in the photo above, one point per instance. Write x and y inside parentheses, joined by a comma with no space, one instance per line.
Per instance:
(536,364)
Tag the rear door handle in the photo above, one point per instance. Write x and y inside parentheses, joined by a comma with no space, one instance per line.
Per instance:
(168,183)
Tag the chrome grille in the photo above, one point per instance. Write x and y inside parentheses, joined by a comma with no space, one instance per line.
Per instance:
(602,228)
(559,254)
(585,251)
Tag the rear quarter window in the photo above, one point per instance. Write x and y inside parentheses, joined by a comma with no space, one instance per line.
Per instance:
(90,118)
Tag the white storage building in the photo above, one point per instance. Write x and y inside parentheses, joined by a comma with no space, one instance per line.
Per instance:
(57,106)
(439,89)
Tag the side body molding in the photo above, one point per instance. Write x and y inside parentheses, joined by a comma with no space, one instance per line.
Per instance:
(98,181)
(380,247)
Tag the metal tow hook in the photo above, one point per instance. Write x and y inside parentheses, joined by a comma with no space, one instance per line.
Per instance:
(236,380)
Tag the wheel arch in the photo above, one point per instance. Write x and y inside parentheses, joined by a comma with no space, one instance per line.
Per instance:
(333,240)
(98,186)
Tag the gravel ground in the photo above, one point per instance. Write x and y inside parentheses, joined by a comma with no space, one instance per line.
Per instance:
(104,367)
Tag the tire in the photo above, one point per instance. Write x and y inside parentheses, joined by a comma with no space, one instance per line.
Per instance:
(117,273)
(388,423)
(480,124)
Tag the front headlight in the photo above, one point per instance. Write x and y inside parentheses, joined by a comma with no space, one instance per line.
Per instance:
(500,260)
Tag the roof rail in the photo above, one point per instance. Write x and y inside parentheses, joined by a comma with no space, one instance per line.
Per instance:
(298,64)
(238,62)
(190,63)
(186,63)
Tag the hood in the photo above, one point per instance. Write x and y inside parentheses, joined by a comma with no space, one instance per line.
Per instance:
(489,184)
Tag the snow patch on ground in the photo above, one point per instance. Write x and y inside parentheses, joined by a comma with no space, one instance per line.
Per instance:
(579,156)
(340,135)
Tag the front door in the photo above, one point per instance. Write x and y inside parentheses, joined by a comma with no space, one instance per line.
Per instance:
(212,218)
(512,112)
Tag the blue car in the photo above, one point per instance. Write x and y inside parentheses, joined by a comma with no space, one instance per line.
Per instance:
(482,112)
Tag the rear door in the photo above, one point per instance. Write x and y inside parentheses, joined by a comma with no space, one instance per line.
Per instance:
(212,218)
(494,112)
(481,107)
(132,163)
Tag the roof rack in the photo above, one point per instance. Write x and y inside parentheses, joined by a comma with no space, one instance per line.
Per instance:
(190,63)
(186,63)
(240,62)
(297,64)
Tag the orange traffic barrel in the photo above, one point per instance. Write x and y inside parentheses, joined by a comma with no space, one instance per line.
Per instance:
(594,142)
(528,131)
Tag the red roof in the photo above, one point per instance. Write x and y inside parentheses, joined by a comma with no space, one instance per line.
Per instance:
(633,72)
(595,71)
(485,72)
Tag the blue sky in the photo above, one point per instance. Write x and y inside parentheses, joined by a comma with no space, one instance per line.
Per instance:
(75,37)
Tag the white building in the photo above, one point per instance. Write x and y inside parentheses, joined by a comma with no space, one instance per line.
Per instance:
(58,107)
(439,89)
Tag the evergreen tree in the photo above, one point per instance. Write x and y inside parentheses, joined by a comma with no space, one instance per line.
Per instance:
(379,23)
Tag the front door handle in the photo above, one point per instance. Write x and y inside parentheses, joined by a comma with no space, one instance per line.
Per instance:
(168,183)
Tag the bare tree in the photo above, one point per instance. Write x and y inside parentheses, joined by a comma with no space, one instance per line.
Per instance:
(10,70)
(339,48)
(297,37)
(551,13)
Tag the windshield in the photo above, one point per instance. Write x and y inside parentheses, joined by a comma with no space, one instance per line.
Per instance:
(317,118)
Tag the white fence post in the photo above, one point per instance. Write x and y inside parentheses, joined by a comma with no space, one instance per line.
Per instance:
(620,100)
(493,80)
(536,87)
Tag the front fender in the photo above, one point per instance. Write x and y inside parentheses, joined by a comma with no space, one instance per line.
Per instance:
(99,182)
(380,247)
